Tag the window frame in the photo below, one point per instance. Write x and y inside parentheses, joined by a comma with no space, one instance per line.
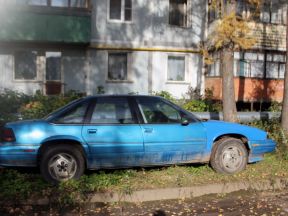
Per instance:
(128,68)
(37,63)
(189,116)
(122,12)
(187,16)
(93,104)
(186,68)
(64,110)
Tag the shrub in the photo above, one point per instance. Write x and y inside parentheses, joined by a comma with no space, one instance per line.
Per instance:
(275,107)
(166,95)
(10,103)
(41,105)
(196,106)
(275,132)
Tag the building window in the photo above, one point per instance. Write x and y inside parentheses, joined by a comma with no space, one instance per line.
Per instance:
(178,13)
(275,66)
(25,65)
(120,10)
(53,66)
(176,68)
(38,2)
(274,13)
(249,64)
(59,3)
(214,69)
(214,10)
(118,66)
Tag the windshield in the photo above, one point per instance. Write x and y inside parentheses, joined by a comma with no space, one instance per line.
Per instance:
(51,115)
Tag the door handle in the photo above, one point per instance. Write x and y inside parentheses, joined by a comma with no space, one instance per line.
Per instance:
(92,131)
(148,130)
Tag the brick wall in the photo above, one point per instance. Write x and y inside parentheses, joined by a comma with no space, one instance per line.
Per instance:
(249,89)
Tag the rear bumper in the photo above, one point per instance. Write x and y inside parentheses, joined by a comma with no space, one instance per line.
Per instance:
(18,156)
(259,148)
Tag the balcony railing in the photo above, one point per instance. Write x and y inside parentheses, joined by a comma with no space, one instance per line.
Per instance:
(45,21)
(49,3)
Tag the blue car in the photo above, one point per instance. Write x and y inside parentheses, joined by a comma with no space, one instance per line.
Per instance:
(100,132)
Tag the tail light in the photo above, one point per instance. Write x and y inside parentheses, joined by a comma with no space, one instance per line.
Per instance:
(7,135)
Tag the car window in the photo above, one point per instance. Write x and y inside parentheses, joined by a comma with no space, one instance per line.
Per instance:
(155,110)
(112,111)
(73,116)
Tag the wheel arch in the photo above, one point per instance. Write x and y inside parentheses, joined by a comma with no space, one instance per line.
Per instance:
(241,137)
(51,143)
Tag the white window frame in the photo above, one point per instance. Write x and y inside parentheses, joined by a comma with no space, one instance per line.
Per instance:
(188,23)
(122,19)
(61,66)
(129,67)
(186,69)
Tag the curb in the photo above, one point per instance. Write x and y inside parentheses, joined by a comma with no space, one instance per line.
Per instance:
(189,192)
(179,193)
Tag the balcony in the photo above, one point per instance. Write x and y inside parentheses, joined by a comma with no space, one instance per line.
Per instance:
(46,23)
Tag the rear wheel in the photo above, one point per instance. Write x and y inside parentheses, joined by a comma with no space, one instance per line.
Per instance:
(61,163)
(229,155)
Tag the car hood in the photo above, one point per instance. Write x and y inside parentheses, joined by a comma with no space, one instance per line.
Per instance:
(218,128)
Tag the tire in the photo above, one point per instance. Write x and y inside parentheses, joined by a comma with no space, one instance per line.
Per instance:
(61,163)
(229,156)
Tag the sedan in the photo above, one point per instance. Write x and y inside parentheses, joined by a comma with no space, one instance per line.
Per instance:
(108,131)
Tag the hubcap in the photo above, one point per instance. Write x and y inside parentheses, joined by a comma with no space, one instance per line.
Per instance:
(62,167)
(232,158)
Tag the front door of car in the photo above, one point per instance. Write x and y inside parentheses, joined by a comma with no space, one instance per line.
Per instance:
(169,135)
(113,134)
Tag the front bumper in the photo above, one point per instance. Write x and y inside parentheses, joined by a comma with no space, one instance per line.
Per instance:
(259,147)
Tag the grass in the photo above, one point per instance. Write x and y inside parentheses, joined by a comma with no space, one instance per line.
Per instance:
(16,186)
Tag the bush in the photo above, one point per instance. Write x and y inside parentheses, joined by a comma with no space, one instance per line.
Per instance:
(275,131)
(10,103)
(196,106)
(275,107)
(41,105)
(166,95)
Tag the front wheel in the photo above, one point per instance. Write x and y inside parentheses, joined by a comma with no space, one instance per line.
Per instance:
(61,163)
(229,155)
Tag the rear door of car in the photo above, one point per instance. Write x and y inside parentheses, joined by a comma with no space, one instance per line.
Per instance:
(113,134)
(167,137)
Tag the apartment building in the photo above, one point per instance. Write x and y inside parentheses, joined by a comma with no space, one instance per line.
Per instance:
(122,46)
(258,72)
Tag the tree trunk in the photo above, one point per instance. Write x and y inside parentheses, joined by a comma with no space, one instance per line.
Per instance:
(228,94)
(284,116)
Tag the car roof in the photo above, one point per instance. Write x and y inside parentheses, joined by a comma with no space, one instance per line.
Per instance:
(121,95)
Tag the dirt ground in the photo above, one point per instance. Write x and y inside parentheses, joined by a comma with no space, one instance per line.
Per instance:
(239,203)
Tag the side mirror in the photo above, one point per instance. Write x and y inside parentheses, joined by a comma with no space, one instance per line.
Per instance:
(185,122)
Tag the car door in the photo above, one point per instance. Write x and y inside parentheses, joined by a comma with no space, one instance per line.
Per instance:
(170,135)
(113,134)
